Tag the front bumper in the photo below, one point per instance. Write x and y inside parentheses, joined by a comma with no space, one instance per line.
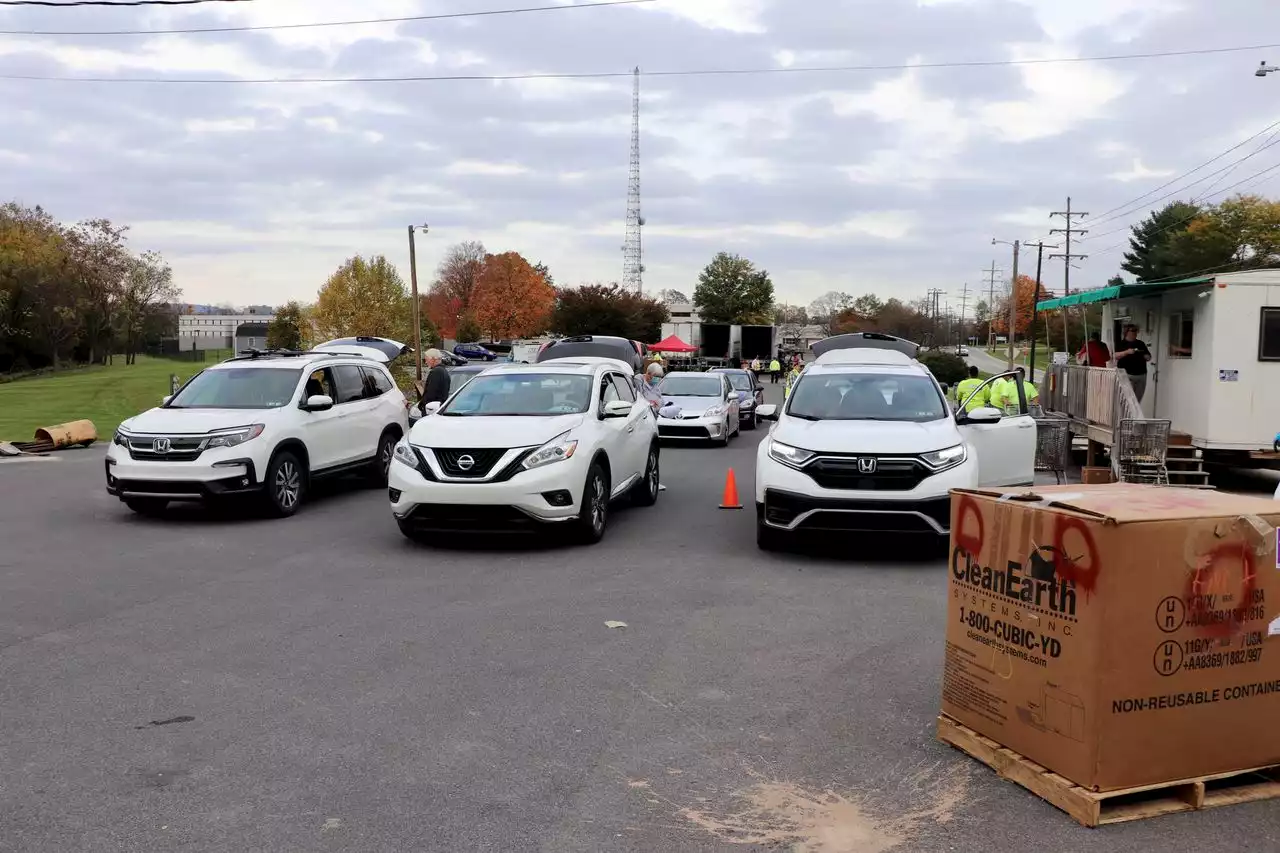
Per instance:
(697,429)
(202,480)
(788,499)
(530,499)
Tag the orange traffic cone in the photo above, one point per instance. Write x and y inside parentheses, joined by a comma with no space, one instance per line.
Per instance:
(730,499)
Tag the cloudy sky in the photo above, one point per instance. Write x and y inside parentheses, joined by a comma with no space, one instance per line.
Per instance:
(890,181)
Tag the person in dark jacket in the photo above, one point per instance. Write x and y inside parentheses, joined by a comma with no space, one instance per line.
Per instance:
(436,389)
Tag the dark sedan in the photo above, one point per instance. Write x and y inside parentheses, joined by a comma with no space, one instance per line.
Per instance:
(750,393)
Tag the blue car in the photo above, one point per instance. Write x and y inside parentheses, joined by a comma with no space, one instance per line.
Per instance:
(474,352)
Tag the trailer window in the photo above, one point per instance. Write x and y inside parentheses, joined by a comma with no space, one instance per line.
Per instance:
(1269,335)
(1181,335)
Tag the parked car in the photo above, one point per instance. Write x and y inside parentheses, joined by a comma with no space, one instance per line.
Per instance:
(265,427)
(459,375)
(550,445)
(750,393)
(866,442)
(707,407)
(595,346)
(475,351)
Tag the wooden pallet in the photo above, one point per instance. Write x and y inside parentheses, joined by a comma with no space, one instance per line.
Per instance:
(1095,809)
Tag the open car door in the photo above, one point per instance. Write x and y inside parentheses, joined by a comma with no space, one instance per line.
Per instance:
(1003,445)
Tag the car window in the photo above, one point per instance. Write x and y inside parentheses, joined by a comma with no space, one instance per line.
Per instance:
(692,385)
(348,383)
(376,382)
(623,387)
(609,391)
(239,388)
(319,383)
(590,349)
(866,396)
(740,381)
(511,394)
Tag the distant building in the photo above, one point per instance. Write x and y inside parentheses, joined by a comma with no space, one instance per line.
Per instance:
(251,336)
(219,331)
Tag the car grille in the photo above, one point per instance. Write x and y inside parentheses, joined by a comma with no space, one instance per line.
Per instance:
(681,431)
(482,461)
(891,475)
(181,448)
(782,508)
(458,518)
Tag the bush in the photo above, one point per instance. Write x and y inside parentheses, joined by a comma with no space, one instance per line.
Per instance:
(947,367)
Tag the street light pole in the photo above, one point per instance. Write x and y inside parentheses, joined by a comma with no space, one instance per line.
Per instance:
(1013,293)
(417,322)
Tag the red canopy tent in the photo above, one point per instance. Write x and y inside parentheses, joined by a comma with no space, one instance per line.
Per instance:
(672,344)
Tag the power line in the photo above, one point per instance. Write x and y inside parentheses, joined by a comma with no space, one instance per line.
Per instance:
(600,75)
(58,4)
(257,28)
(1067,257)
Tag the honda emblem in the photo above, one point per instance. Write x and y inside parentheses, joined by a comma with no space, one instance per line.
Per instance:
(160,445)
(866,464)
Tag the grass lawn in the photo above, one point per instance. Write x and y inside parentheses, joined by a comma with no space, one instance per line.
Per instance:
(104,395)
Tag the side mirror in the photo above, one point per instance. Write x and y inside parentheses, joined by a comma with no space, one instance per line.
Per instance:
(318,403)
(617,409)
(431,408)
(767,412)
(982,416)
(164,401)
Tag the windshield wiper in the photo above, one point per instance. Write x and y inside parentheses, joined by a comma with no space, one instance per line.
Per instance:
(803,417)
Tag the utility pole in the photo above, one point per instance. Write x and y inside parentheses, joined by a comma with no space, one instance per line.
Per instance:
(1067,259)
(964,301)
(1040,247)
(991,303)
(1013,301)
(934,293)
(417,322)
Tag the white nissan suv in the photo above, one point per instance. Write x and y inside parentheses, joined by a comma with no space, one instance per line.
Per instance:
(528,446)
(264,426)
(867,442)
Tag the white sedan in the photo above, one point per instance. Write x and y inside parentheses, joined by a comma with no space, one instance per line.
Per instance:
(528,446)
(699,406)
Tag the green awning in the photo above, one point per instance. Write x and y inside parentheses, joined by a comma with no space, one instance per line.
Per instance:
(1119,291)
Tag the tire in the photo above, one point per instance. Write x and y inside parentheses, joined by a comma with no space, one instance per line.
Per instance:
(769,538)
(751,424)
(645,491)
(149,507)
(285,485)
(593,517)
(724,442)
(378,470)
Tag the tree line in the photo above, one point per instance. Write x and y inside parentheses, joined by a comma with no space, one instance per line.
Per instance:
(77,292)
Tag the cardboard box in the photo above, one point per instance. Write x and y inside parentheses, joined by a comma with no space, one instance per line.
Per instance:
(1096,475)
(1119,635)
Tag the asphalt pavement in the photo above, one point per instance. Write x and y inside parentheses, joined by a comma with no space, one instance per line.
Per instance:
(214,683)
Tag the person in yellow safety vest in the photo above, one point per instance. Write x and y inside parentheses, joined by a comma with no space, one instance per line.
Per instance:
(775,370)
(965,387)
(1029,390)
(791,381)
(1004,392)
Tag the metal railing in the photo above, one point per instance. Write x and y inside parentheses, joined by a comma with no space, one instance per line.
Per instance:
(1095,397)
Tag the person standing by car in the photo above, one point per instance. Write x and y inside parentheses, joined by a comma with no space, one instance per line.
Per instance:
(775,371)
(965,387)
(1132,356)
(436,389)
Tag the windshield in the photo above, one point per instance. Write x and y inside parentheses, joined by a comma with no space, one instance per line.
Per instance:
(239,388)
(521,395)
(866,397)
(739,381)
(691,385)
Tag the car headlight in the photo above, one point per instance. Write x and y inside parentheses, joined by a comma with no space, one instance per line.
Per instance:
(948,457)
(788,455)
(715,411)
(232,438)
(557,449)
(121,438)
(748,403)
(404,454)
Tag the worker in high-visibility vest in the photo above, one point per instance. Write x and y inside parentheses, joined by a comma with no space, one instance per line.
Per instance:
(1000,394)
(965,387)
(1029,390)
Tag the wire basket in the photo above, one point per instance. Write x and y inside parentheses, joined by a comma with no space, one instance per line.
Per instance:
(1053,445)
(1140,450)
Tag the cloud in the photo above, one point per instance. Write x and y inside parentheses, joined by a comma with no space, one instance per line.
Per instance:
(891,180)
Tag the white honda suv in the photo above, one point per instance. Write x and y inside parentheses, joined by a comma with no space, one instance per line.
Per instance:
(866,441)
(262,426)
(528,446)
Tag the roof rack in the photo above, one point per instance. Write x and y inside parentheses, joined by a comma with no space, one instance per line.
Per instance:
(267,353)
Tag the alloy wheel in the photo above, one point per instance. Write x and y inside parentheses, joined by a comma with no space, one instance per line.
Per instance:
(653,472)
(288,485)
(599,504)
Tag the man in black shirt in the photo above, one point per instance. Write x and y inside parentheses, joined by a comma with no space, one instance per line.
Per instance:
(437,385)
(1132,356)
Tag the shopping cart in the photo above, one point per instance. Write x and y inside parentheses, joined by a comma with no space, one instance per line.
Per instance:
(1053,444)
(1140,451)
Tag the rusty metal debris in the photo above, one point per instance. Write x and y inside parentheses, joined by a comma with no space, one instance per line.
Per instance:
(48,439)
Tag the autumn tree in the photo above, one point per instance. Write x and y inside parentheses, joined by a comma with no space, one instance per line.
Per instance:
(511,298)
(145,302)
(459,273)
(468,331)
(673,297)
(543,270)
(1151,254)
(826,307)
(285,331)
(99,263)
(364,297)
(601,309)
(1026,296)
(731,290)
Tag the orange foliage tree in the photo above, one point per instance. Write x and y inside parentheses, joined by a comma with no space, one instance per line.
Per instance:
(512,299)
(1026,297)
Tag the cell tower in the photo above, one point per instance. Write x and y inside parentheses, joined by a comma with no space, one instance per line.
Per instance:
(632,253)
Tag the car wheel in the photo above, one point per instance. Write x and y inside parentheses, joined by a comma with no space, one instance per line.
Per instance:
(150,507)
(724,441)
(769,538)
(286,484)
(381,466)
(594,514)
(645,492)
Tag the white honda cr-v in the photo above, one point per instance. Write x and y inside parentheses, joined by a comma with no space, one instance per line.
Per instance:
(866,441)
(525,446)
